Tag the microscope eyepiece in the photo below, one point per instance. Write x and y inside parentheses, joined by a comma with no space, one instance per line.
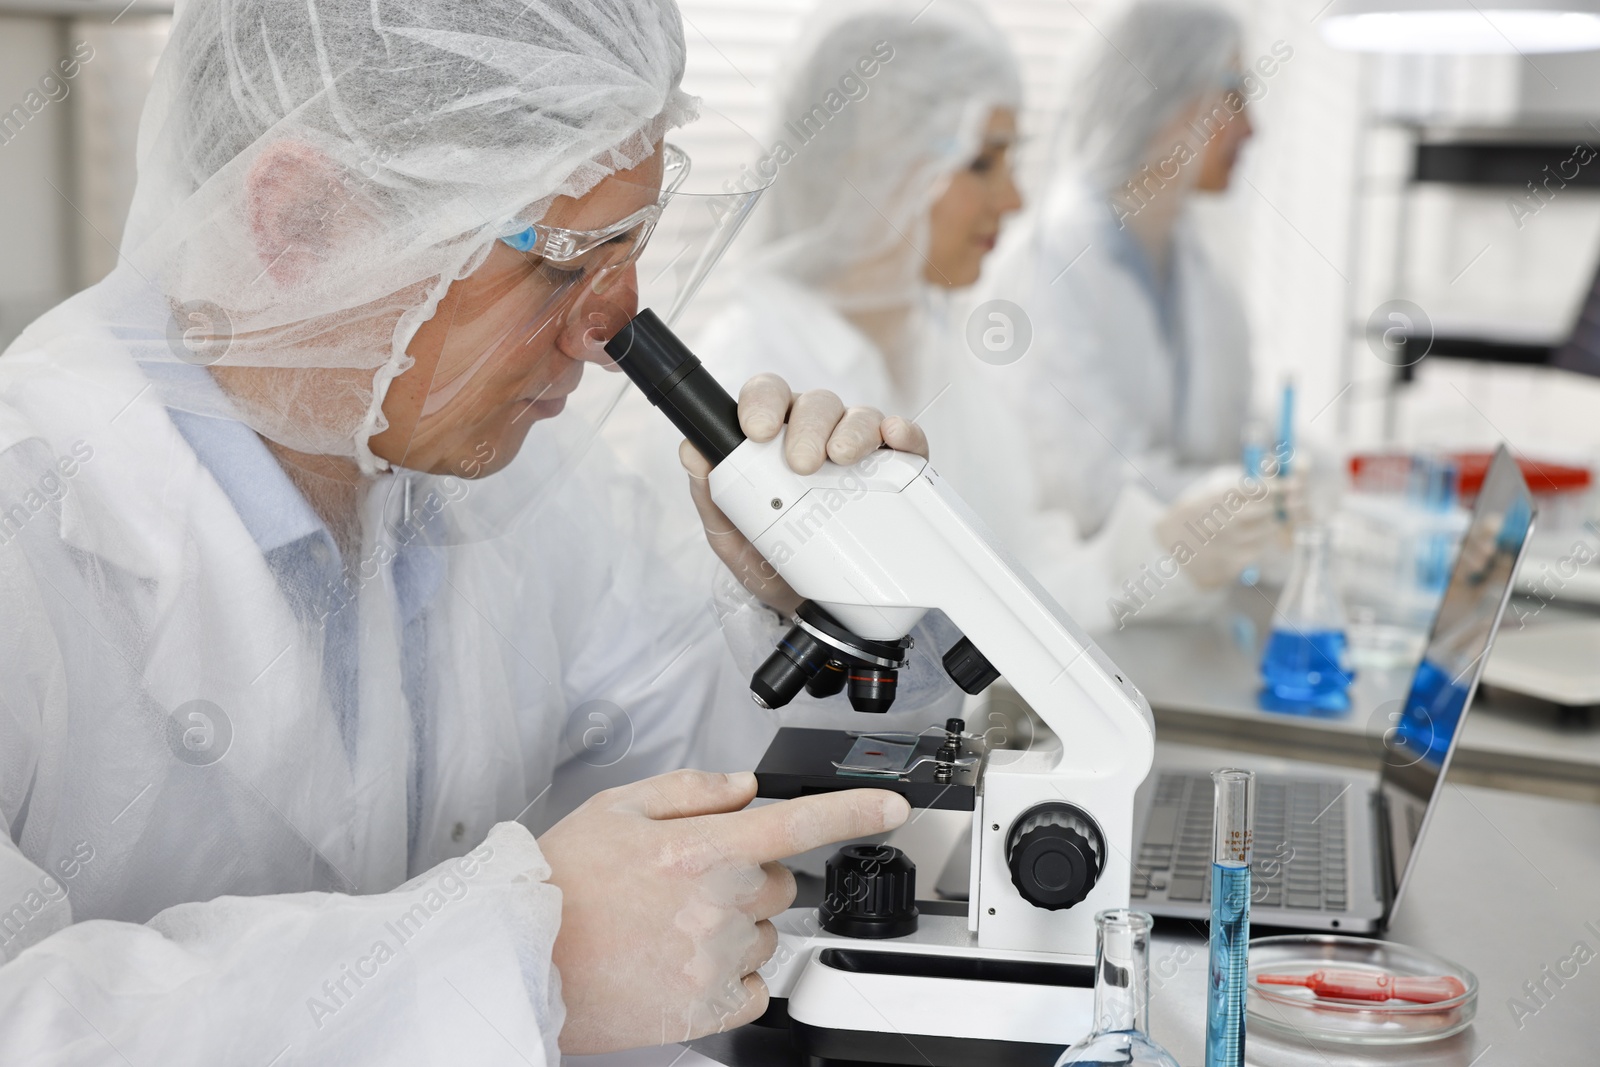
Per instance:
(674,380)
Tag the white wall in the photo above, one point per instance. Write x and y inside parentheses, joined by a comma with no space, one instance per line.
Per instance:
(34,260)
(111,96)
(67,175)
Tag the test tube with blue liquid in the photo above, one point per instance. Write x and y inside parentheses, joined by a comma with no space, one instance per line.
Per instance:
(1232,839)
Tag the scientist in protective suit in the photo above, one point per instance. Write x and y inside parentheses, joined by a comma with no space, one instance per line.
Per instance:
(281,664)
(1138,376)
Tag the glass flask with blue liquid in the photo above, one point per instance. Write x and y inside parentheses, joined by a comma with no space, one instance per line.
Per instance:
(1121,1036)
(1306,665)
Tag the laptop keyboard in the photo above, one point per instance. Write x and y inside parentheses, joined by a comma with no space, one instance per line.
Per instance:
(1299,857)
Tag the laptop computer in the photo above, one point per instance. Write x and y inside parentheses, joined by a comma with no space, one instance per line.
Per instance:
(1333,851)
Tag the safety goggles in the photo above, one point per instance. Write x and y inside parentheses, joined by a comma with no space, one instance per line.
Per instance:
(593,251)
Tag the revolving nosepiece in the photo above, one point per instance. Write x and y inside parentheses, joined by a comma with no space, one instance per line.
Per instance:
(822,657)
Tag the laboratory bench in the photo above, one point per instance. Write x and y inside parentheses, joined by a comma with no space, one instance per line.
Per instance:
(1201,679)
(1505,886)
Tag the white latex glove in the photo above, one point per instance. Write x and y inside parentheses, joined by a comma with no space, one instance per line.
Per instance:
(820,427)
(667,886)
(1228,523)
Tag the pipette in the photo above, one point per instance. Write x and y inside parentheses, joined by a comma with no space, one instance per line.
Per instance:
(1285,439)
(1372,985)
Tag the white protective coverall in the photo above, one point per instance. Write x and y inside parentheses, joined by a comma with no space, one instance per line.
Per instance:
(1131,381)
(844,231)
(266,791)
(1119,393)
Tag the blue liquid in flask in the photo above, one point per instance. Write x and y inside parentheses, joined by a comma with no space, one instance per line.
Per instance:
(1230,944)
(1304,672)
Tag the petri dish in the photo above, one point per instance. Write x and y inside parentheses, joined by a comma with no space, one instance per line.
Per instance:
(1298,1014)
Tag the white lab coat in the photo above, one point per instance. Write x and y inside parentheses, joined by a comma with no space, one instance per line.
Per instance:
(159,907)
(976,440)
(282,888)
(1107,400)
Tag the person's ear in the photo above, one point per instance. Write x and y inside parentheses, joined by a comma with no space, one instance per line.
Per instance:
(299,208)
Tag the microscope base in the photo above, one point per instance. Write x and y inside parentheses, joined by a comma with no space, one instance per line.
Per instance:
(928,997)
(849,1048)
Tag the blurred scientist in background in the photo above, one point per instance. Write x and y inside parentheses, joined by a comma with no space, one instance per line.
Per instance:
(891,139)
(1139,368)
(888,148)
(891,135)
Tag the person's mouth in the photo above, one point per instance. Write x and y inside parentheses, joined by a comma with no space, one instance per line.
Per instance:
(553,394)
(546,405)
(986,241)
(550,400)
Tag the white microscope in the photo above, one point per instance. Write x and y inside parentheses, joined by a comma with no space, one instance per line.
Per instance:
(874,975)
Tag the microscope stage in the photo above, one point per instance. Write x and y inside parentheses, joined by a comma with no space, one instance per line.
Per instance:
(800,762)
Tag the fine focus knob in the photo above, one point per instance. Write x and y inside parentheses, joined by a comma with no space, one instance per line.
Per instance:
(1056,854)
(871,891)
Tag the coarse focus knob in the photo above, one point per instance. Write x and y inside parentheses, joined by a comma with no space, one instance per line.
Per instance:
(871,891)
(968,667)
(1056,854)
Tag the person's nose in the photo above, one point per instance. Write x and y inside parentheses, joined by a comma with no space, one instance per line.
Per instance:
(1010,200)
(605,309)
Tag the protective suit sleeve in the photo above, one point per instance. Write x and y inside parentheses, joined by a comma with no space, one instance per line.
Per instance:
(1084,438)
(453,966)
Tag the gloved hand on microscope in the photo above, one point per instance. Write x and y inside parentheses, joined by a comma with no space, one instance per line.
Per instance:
(669,885)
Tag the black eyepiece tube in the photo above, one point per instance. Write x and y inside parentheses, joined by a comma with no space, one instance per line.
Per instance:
(677,383)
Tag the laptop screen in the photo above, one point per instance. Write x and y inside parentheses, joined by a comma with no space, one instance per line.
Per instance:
(1417,746)
(1581,352)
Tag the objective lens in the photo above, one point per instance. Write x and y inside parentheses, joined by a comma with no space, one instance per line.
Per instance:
(829,680)
(872,688)
(798,658)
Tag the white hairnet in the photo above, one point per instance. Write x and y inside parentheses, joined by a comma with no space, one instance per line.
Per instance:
(861,156)
(313,176)
(1159,56)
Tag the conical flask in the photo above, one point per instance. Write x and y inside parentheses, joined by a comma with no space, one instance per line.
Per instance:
(1121,997)
(1306,666)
